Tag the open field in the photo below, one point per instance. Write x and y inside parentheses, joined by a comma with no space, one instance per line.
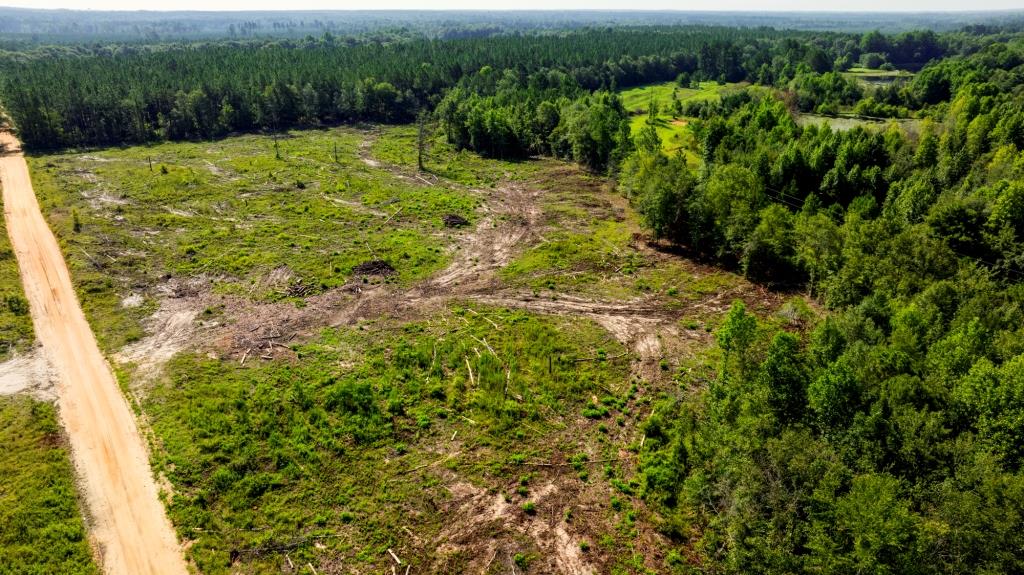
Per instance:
(673,129)
(636,100)
(474,410)
(875,77)
(843,123)
(253,224)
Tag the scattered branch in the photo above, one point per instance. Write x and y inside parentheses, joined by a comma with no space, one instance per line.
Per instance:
(395,557)
(587,462)
(472,382)
(393,215)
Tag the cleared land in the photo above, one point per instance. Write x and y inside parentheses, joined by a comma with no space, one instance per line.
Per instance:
(128,521)
(673,128)
(842,123)
(475,410)
(876,77)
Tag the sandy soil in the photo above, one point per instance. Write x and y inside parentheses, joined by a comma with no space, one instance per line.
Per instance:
(127,520)
(485,527)
(30,373)
(170,330)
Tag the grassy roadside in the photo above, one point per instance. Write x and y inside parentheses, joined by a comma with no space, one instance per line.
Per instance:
(16,332)
(41,530)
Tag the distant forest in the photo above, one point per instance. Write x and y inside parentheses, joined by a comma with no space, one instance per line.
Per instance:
(69,26)
(72,96)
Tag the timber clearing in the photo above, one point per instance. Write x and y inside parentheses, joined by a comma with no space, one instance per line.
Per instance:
(624,300)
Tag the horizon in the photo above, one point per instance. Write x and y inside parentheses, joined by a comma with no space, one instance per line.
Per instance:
(704,7)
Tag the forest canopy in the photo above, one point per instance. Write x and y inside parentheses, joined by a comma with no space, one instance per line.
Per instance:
(886,438)
(127,93)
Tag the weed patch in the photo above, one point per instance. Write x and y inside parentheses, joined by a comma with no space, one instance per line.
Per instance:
(327,459)
(41,529)
(231,210)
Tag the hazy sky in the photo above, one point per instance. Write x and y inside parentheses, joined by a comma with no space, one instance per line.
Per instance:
(748,5)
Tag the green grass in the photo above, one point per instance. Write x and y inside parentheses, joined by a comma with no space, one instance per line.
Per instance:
(843,123)
(637,100)
(232,211)
(675,133)
(41,529)
(16,332)
(329,457)
(860,71)
(397,146)
(870,77)
(575,261)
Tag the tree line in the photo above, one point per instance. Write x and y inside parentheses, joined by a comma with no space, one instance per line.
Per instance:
(886,437)
(107,95)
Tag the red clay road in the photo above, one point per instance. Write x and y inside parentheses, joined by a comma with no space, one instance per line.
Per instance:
(128,522)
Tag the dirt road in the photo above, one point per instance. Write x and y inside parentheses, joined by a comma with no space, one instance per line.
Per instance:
(127,520)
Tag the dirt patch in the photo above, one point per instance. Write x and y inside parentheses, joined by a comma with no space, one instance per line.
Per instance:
(96,159)
(30,373)
(511,214)
(454,221)
(132,300)
(354,205)
(484,526)
(219,171)
(170,330)
(364,151)
(99,198)
(374,268)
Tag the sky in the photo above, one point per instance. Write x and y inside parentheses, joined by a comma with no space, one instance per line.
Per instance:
(740,5)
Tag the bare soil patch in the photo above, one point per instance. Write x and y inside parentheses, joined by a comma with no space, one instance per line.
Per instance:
(30,373)
(171,329)
(374,268)
(486,528)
